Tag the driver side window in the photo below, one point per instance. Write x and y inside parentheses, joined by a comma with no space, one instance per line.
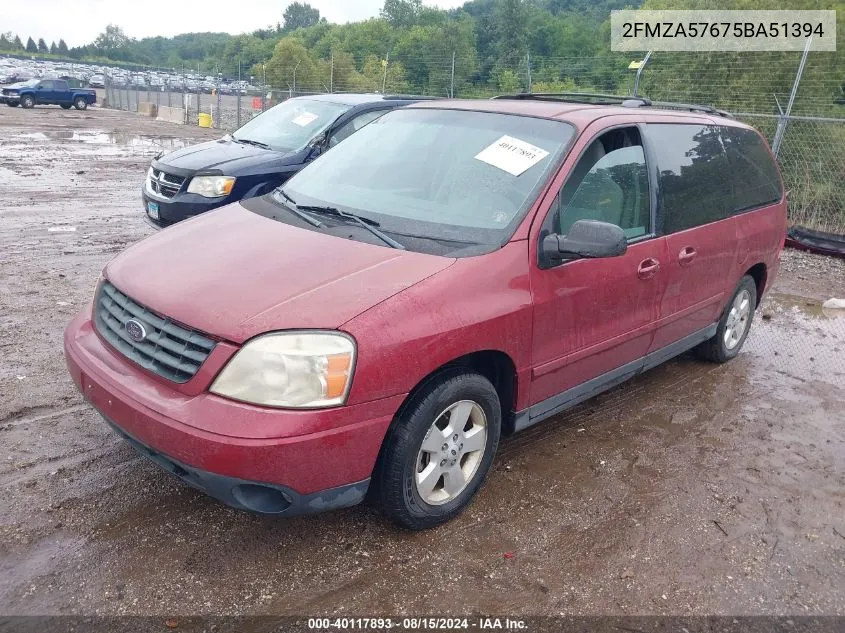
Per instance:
(609,183)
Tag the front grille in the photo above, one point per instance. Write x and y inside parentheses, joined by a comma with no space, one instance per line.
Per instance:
(169,350)
(164,184)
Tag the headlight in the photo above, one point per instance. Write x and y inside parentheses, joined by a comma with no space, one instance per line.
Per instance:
(211,186)
(290,369)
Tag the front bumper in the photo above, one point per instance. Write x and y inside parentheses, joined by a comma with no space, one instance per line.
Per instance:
(10,99)
(181,207)
(276,461)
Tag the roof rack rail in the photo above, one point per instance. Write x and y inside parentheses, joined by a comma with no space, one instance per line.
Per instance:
(577,97)
(693,107)
(400,97)
(627,101)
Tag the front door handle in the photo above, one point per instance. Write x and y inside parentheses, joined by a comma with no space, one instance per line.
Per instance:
(687,254)
(648,268)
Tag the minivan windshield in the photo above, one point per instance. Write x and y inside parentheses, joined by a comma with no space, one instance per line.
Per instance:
(457,181)
(290,125)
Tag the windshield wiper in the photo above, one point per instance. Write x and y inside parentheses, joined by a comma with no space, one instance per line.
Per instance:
(293,208)
(249,141)
(367,223)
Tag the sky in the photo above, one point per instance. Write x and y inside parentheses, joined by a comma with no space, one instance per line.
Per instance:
(80,21)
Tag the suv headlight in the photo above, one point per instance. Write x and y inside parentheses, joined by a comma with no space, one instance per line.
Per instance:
(211,186)
(306,370)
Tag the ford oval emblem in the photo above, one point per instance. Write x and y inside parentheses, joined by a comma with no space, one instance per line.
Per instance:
(136,330)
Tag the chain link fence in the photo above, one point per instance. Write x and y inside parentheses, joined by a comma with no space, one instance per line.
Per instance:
(227,108)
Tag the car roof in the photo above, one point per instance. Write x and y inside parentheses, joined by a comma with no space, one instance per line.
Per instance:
(350,99)
(581,114)
(355,99)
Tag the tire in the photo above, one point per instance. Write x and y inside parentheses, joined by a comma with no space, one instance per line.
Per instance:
(12,105)
(80,103)
(65,106)
(739,313)
(405,457)
(27,102)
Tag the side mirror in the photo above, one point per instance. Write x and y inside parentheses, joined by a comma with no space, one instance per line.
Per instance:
(317,145)
(586,239)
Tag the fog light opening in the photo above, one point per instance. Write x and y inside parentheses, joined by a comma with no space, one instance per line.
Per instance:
(260,498)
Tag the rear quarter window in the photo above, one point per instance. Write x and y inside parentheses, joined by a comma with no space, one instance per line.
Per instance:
(694,175)
(753,171)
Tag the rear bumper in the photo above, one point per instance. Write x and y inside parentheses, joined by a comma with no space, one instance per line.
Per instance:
(275,461)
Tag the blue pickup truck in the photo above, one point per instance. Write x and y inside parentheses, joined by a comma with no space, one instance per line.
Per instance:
(34,92)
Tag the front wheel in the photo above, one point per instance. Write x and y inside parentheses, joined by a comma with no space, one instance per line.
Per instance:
(80,103)
(439,450)
(734,325)
(28,102)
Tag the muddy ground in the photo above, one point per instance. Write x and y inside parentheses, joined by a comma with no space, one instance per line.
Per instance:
(693,489)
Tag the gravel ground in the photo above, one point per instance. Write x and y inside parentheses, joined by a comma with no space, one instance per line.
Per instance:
(693,489)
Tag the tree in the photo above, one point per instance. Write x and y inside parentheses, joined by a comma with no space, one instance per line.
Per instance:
(402,13)
(511,32)
(62,47)
(17,44)
(6,41)
(112,42)
(30,46)
(300,15)
(54,49)
(291,62)
(42,46)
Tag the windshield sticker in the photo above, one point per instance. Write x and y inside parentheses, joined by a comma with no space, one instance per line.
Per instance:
(512,155)
(306,118)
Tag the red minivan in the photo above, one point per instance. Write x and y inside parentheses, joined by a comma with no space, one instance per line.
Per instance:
(454,272)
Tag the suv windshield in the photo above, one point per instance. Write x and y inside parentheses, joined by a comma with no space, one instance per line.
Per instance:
(457,181)
(292,124)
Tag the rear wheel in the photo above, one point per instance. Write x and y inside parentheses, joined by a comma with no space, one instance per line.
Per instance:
(80,103)
(27,101)
(11,104)
(734,325)
(439,450)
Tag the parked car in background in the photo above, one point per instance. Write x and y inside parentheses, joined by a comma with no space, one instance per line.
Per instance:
(259,156)
(97,81)
(453,272)
(47,92)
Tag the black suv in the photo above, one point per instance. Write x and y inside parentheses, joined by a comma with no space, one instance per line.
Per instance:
(259,156)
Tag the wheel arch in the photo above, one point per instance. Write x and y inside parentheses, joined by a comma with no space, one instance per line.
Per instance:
(759,273)
(495,365)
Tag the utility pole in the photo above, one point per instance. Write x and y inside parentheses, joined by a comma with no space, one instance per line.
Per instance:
(528,59)
(293,91)
(331,75)
(384,80)
(452,88)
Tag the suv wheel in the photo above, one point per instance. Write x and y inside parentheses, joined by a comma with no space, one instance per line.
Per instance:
(27,101)
(734,325)
(65,106)
(439,450)
(80,103)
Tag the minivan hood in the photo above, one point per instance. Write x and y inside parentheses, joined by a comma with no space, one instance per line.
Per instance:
(235,274)
(226,156)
